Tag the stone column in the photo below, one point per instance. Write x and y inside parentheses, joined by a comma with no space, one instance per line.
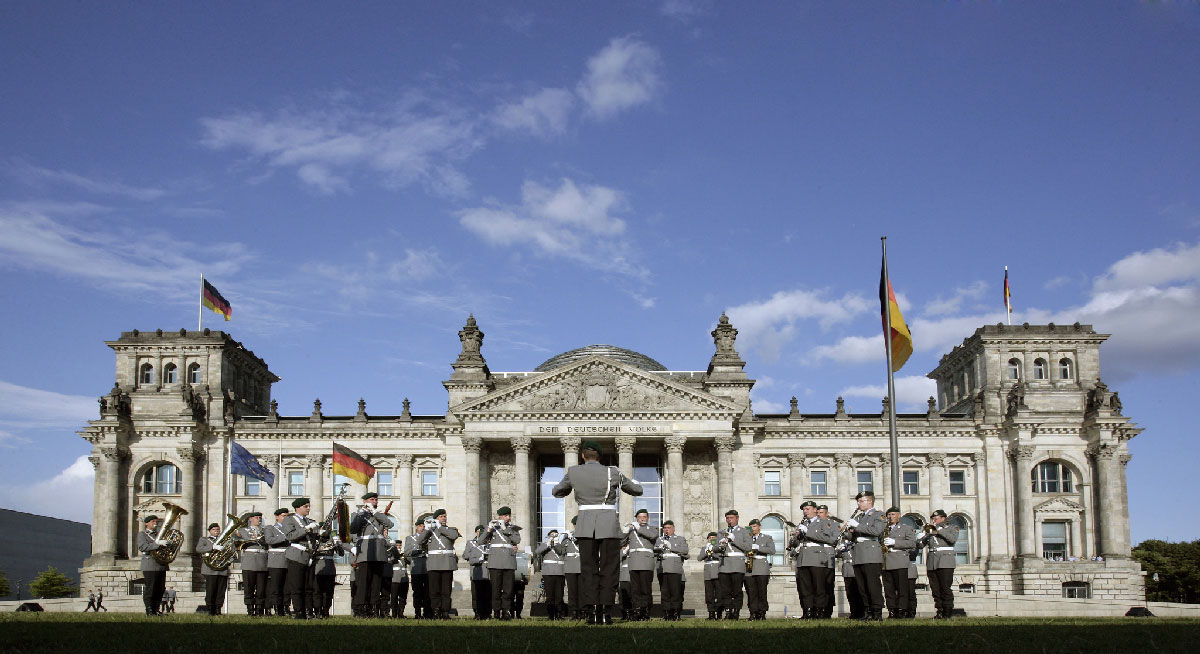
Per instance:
(796,484)
(402,486)
(724,445)
(937,475)
(106,538)
(472,446)
(625,464)
(846,489)
(316,486)
(189,469)
(1022,458)
(675,443)
(1076,538)
(1112,529)
(883,484)
(570,445)
(1127,537)
(1087,520)
(523,513)
(273,463)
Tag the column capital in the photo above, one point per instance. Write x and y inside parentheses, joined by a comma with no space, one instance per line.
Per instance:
(521,444)
(1105,451)
(270,460)
(937,458)
(1125,459)
(796,460)
(625,444)
(842,459)
(675,443)
(570,443)
(94,460)
(1022,452)
(724,444)
(404,460)
(471,444)
(189,454)
(315,460)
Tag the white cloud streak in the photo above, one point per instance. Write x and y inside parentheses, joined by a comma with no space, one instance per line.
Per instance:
(768,325)
(912,393)
(67,495)
(543,114)
(623,75)
(44,177)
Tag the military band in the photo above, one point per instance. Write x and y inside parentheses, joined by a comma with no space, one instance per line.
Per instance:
(277,547)
(303,534)
(369,528)
(711,560)
(475,554)
(758,570)
(572,570)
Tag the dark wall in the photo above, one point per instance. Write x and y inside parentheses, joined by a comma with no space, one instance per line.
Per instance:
(31,543)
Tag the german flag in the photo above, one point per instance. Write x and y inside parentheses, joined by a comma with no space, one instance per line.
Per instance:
(351,464)
(213,300)
(902,345)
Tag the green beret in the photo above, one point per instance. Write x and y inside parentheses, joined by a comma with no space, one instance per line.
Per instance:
(641,511)
(754,522)
(281,511)
(731,512)
(214,525)
(148,518)
(937,513)
(822,507)
(419,522)
(669,522)
(504,510)
(591,445)
(367,496)
(711,534)
(574,519)
(863,494)
(300,501)
(809,503)
(893,509)
(478,527)
(439,512)
(255,514)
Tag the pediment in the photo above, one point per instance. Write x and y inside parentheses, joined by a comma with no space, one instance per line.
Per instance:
(1058,505)
(598,385)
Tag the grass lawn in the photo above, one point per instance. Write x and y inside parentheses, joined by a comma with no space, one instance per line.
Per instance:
(77,633)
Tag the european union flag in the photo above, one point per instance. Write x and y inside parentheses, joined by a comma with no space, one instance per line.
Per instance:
(246,464)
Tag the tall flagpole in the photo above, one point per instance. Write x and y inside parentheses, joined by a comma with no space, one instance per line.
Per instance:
(887,341)
(200,313)
(1007,298)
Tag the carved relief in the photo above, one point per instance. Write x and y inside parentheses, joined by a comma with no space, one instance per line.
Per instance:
(796,460)
(597,391)
(1022,452)
(937,459)
(842,459)
(502,485)
(698,494)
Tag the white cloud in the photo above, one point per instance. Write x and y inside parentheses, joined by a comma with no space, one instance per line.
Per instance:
(542,114)
(769,325)
(1156,268)
(912,393)
(953,304)
(24,407)
(623,75)
(41,177)
(374,271)
(684,10)
(67,495)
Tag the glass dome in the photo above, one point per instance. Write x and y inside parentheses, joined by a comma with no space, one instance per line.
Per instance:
(628,357)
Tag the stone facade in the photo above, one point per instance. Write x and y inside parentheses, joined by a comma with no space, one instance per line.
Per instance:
(1019,409)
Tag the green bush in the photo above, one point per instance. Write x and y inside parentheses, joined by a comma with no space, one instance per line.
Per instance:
(51,583)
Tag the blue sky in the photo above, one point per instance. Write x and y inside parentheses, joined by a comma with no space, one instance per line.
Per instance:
(355,181)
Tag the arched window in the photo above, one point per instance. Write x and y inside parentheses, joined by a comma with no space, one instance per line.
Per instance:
(146,375)
(1014,369)
(194,373)
(163,479)
(1064,368)
(913,520)
(170,374)
(1051,477)
(1039,369)
(962,546)
(773,526)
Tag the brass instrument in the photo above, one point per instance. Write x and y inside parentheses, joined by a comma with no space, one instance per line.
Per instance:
(929,528)
(167,532)
(223,558)
(887,532)
(340,512)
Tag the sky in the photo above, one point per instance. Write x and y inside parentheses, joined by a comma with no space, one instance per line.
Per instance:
(356,180)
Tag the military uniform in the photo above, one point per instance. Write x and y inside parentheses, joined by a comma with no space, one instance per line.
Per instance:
(501,541)
(553,564)
(624,598)
(911,585)
(520,583)
(398,592)
(732,545)
(216,582)
(441,561)
(324,578)
(812,547)
(573,573)
(481,587)
(854,599)
(154,573)
(301,533)
(868,561)
(253,544)
(712,566)
(895,568)
(763,546)
(640,558)
(939,566)
(370,529)
(418,575)
(672,550)
(277,547)
(598,530)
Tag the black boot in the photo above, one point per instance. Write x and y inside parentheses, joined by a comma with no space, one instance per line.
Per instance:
(606,615)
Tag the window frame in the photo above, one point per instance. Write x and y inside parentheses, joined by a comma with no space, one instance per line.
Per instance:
(777,483)
(193,373)
(1062,483)
(387,488)
(916,483)
(425,486)
(146,373)
(813,483)
(951,473)
(870,483)
(962,546)
(1041,371)
(153,482)
(1071,590)
(1066,369)
(1065,550)
(256,491)
(292,484)
(1014,369)
(170,373)
(779,535)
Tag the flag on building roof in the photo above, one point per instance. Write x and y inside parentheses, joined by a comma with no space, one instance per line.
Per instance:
(902,345)
(213,300)
(351,464)
(1007,293)
(242,462)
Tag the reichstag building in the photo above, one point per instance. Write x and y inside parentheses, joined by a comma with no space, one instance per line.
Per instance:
(1024,446)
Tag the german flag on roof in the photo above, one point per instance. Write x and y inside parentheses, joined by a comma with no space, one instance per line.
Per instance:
(351,464)
(214,300)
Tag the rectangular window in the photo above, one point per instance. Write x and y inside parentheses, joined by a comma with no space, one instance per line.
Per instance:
(253,487)
(1077,590)
(1054,541)
(866,481)
(912,485)
(295,483)
(429,483)
(385,483)
(817,482)
(771,484)
(167,482)
(958,482)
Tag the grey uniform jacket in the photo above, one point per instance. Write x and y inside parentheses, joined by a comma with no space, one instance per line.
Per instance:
(301,540)
(571,555)
(766,547)
(814,548)
(146,545)
(500,544)
(732,544)
(672,551)
(596,487)
(204,546)
(640,541)
(254,550)
(473,553)
(371,530)
(439,547)
(554,558)
(906,539)
(624,578)
(941,547)
(278,546)
(847,557)
(712,561)
(323,564)
(866,537)
(399,563)
(415,554)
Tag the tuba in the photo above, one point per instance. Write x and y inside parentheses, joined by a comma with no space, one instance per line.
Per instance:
(222,559)
(167,532)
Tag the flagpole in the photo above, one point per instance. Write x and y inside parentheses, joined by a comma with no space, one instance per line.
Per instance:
(887,341)
(200,313)
(1007,298)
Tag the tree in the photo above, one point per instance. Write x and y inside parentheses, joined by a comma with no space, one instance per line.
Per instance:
(4,589)
(51,583)
(1177,566)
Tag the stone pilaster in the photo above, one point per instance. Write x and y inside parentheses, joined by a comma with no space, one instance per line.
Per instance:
(937,476)
(273,463)
(724,445)
(1022,458)
(570,445)
(796,484)
(1112,528)
(522,511)
(402,486)
(472,445)
(675,444)
(846,487)
(189,469)
(316,485)
(625,446)
(106,528)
